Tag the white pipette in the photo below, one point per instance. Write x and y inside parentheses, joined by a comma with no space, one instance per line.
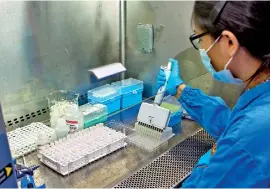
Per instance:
(160,94)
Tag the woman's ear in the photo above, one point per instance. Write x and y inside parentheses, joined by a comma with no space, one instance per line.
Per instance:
(232,42)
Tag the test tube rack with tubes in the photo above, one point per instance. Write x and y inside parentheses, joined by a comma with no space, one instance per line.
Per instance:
(23,140)
(79,149)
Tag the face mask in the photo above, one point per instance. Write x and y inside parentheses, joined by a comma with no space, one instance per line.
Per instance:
(223,75)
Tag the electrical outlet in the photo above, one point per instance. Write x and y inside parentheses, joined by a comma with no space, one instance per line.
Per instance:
(145,37)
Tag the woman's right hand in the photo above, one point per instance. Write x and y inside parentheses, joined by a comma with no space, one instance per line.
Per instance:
(174,80)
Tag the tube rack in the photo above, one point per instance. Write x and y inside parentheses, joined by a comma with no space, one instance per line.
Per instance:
(23,140)
(79,149)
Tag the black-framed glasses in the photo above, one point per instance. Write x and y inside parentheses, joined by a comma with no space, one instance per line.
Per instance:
(195,39)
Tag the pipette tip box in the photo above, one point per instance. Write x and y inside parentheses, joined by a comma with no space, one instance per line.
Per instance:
(108,95)
(131,91)
(93,114)
(175,108)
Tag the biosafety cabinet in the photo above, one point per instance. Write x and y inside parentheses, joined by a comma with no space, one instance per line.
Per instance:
(49,46)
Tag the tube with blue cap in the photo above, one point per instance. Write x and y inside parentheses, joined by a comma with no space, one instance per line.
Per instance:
(160,94)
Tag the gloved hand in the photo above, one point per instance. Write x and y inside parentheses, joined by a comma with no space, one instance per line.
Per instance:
(174,80)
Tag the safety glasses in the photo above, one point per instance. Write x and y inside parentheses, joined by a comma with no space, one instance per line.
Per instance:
(195,39)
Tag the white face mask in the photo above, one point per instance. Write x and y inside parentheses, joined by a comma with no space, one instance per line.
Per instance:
(223,75)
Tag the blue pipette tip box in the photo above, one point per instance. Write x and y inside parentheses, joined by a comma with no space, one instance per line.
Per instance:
(131,91)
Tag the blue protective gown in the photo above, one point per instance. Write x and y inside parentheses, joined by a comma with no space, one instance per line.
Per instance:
(242,155)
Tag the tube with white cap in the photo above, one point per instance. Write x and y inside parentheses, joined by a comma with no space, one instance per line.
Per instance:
(160,94)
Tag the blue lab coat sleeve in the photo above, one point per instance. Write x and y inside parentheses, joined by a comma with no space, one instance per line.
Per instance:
(210,112)
(241,158)
(230,166)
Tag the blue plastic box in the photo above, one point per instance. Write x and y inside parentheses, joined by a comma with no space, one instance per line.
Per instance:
(171,103)
(107,95)
(131,91)
(175,118)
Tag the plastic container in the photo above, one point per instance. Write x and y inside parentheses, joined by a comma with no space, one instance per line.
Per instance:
(107,95)
(93,114)
(131,91)
(23,140)
(42,139)
(175,107)
(175,118)
(79,149)
(58,102)
(74,119)
(61,129)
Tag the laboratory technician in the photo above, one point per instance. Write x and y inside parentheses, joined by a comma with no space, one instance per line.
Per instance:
(233,39)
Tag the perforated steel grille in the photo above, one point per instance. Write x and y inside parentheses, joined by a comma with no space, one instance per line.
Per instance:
(173,166)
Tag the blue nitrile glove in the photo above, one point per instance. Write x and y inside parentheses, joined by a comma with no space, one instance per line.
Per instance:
(174,80)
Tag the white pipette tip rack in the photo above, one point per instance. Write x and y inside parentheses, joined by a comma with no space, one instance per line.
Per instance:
(79,149)
(23,140)
(151,128)
(150,139)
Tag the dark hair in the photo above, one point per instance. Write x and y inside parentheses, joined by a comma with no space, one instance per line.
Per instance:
(249,21)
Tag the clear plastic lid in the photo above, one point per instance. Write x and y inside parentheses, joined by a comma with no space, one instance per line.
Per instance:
(128,85)
(93,111)
(103,93)
(93,108)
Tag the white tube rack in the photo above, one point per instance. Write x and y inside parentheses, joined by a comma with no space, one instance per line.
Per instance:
(79,149)
(23,140)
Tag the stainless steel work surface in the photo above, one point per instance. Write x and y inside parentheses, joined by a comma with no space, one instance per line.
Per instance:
(110,170)
(172,167)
